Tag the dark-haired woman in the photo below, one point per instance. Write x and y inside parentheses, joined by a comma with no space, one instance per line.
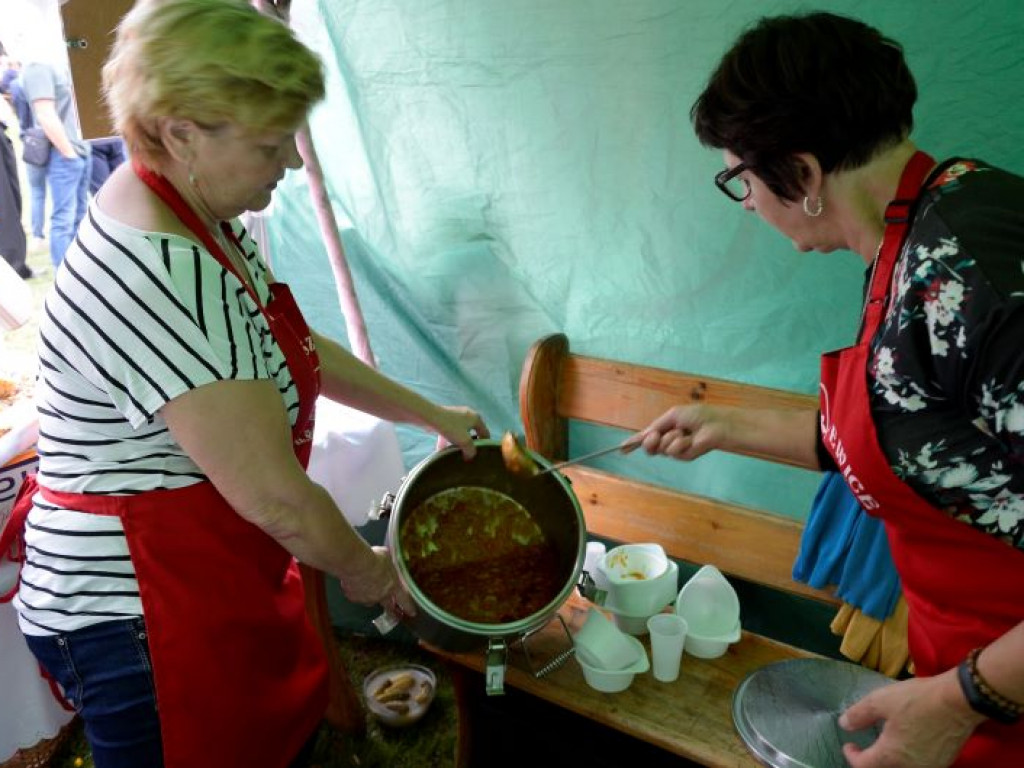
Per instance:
(924,415)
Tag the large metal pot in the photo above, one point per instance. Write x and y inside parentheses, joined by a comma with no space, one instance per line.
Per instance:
(550,501)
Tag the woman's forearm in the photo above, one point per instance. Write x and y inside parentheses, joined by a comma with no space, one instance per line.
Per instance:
(311,527)
(687,432)
(779,435)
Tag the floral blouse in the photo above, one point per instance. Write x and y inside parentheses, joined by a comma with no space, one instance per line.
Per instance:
(946,371)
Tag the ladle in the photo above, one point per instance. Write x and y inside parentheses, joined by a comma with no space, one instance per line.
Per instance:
(519,462)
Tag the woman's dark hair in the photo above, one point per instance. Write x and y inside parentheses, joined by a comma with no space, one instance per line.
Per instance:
(819,83)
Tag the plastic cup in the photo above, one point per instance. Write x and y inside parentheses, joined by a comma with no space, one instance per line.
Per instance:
(668,636)
(595,551)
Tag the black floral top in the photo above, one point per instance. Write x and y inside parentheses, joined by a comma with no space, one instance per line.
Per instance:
(946,370)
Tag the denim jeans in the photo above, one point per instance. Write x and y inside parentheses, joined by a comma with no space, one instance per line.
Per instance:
(36,177)
(106,675)
(68,179)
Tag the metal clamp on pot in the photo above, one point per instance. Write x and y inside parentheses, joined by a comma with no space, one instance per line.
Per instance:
(589,589)
(551,510)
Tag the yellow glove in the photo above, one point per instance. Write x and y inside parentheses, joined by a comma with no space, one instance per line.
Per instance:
(880,645)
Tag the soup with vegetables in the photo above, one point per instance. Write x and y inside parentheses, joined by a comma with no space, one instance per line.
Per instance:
(479,555)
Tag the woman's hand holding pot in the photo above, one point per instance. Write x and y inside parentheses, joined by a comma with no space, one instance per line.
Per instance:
(379,583)
(460,426)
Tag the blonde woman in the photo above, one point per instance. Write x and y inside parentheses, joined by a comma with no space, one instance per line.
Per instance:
(176,394)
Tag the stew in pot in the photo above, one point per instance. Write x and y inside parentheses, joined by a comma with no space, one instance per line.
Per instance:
(479,555)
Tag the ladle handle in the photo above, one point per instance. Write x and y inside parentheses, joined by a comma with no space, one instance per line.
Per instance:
(628,445)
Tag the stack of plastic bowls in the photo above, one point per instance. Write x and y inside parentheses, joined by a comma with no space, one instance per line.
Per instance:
(609,658)
(641,580)
(711,608)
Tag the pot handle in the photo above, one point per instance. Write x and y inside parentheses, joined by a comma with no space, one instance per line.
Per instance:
(382,508)
(386,622)
(589,589)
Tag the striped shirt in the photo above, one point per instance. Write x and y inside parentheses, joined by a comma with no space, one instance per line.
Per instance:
(134,319)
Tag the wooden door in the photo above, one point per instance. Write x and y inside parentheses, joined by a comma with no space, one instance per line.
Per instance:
(89,31)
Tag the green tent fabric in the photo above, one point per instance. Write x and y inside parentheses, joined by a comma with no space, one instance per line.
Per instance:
(503,170)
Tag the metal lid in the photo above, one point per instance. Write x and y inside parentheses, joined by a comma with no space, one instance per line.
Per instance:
(787,712)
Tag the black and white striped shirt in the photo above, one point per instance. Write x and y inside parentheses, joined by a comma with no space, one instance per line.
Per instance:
(134,319)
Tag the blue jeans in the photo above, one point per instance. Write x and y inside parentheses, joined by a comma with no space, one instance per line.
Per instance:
(106,675)
(68,179)
(36,176)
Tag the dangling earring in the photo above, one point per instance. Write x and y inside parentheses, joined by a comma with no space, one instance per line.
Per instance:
(817,211)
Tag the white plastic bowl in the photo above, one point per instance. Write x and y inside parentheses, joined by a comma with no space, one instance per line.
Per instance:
(633,564)
(709,603)
(703,647)
(631,625)
(639,597)
(602,645)
(711,608)
(613,681)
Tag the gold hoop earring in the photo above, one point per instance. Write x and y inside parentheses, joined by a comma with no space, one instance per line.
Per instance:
(817,211)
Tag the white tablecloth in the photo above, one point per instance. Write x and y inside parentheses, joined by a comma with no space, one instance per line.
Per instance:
(28,711)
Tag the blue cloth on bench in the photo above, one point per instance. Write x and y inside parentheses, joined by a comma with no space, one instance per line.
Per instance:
(843,546)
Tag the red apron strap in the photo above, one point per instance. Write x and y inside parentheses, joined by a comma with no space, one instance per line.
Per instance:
(284,318)
(898,214)
(58,694)
(172,197)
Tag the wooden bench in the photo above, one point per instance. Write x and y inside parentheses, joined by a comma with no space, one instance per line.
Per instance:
(691,717)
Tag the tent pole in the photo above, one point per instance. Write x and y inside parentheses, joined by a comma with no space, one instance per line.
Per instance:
(358,337)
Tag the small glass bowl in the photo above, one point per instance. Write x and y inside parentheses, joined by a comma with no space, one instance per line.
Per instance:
(399,695)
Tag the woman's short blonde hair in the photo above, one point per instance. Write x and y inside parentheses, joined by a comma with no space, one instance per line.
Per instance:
(211,61)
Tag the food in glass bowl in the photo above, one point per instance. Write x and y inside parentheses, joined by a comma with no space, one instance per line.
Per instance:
(399,695)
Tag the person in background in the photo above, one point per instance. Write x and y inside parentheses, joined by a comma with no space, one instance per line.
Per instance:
(107,154)
(13,246)
(176,391)
(10,68)
(48,91)
(34,174)
(924,415)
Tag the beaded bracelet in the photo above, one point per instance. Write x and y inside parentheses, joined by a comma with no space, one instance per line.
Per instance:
(980,695)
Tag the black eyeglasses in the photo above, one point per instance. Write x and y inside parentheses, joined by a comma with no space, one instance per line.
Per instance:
(731,184)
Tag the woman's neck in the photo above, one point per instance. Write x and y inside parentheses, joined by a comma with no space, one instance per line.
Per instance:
(867,191)
(191,189)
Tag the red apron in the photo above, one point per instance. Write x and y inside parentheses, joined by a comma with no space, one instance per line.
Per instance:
(240,673)
(963,587)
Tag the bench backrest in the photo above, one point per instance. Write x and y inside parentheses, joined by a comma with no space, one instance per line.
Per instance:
(557,386)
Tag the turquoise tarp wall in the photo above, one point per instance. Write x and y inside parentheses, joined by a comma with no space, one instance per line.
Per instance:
(509,169)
